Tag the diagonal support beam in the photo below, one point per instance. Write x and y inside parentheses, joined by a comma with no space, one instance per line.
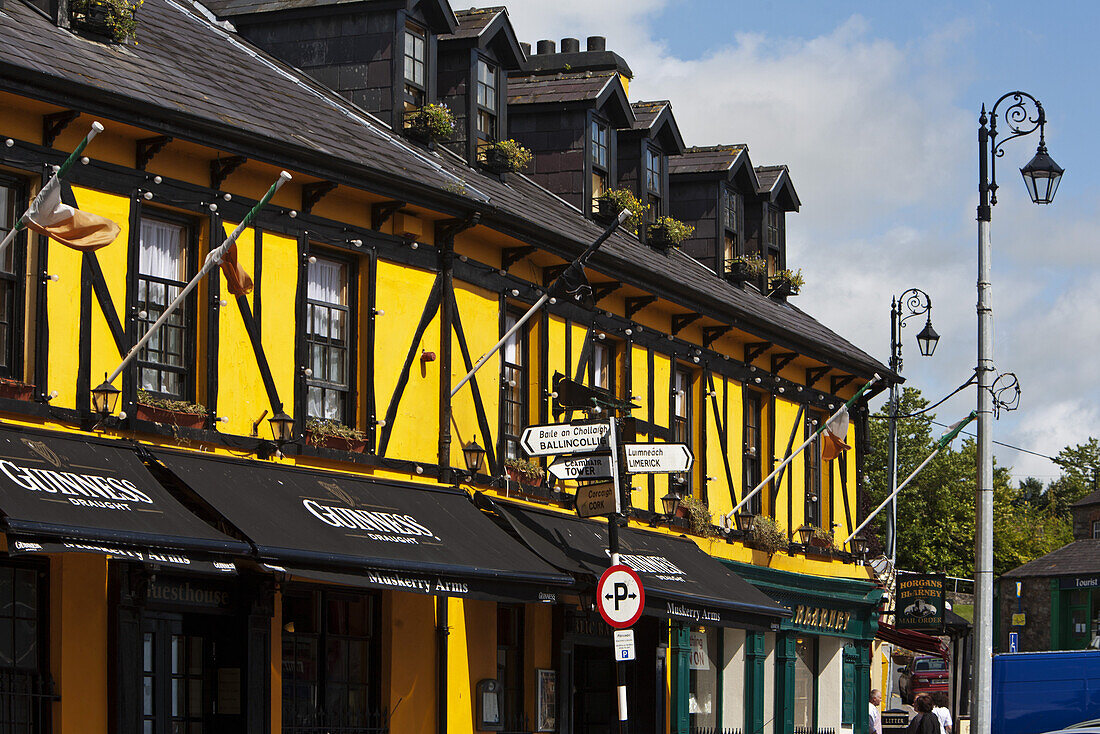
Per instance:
(509,256)
(54,124)
(836,383)
(449,228)
(781,360)
(681,320)
(314,192)
(601,291)
(381,211)
(753,350)
(814,375)
(634,305)
(552,273)
(712,333)
(147,148)
(220,168)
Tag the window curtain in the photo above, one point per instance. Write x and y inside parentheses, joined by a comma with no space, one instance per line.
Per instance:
(161,254)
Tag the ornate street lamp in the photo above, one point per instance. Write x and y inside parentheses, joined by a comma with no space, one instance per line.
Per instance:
(804,534)
(671,501)
(1023,115)
(927,339)
(744,520)
(282,427)
(474,455)
(105,398)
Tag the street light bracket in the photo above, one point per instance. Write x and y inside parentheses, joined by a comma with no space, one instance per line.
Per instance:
(1023,116)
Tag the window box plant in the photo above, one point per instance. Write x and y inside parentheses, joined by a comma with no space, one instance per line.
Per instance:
(667,232)
(525,472)
(505,155)
(786,283)
(330,434)
(766,536)
(746,267)
(432,122)
(611,202)
(112,19)
(697,512)
(179,413)
(15,390)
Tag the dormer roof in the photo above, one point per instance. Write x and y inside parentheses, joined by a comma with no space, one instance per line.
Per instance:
(656,120)
(488,28)
(729,162)
(602,90)
(438,12)
(775,185)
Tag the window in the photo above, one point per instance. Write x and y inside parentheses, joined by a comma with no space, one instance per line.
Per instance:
(599,157)
(1096,528)
(416,54)
(703,663)
(331,662)
(753,448)
(328,340)
(486,101)
(773,239)
(805,674)
(653,181)
(510,666)
(682,415)
(732,224)
(514,389)
(603,366)
(24,629)
(813,471)
(164,364)
(11,282)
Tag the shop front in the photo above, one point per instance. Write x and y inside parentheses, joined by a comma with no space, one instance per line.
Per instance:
(691,602)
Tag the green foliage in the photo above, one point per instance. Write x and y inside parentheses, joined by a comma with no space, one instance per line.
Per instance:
(323,428)
(115,18)
(751,265)
(699,515)
(669,230)
(178,406)
(529,470)
(433,120)
(936,510)
(514,155)
(613,201)
(792,277)
(766,535)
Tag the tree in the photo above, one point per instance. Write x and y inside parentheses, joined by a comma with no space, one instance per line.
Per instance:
(1080,465)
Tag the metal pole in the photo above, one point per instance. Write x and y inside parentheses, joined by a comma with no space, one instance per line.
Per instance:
(613,551)
(892,449)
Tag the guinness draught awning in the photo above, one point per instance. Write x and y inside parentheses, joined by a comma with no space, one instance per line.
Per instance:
(78,494)
(681,581)
(374,533)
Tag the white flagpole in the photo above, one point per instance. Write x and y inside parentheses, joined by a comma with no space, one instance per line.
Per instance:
(948,438)
(54,181)
(212,261)
(796,452)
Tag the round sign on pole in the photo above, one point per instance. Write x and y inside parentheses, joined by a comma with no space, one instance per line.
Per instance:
(621,597)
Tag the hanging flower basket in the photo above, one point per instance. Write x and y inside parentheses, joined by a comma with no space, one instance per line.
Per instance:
(610,203)
(745,267)
(332,435)
(15,390)
(505,156)
(786,283)
(667,232)
(113,19)
(431,123)
(766,536)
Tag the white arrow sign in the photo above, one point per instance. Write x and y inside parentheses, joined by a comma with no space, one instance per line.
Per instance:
(657,458)
(582,467)
(564,438)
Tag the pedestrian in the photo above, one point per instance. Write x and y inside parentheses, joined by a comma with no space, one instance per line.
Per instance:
(940,710)
(925,722)
(876,718)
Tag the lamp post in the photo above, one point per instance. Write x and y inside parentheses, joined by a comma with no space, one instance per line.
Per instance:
(909,304)
(1023,116)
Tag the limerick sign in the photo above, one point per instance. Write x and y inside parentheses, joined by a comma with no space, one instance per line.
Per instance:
(565,438)
(657,458)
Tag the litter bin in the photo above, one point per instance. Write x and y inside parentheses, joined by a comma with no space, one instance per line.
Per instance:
(895,721)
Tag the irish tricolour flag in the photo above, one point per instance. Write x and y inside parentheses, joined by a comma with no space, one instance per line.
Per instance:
(832,444)
(68,225)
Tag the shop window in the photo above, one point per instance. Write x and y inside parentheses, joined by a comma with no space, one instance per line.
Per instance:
(25,684)
(805,678)
(731,225)
(813,471)
(12,202)
(164,365)
(599,153)
(329,338)
(704,659)
(751,459)
(486,101)
(331,663)
(603,366)
(513,389)
(653,183)
(510,666)
(416,63)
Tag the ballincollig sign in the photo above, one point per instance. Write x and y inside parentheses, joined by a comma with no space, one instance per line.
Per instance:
(921,601)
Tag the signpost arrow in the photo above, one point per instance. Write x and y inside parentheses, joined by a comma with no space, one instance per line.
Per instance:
(565,438)
(594,500)
(582,467)
(657,458)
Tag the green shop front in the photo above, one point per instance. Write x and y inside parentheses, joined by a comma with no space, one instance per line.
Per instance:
(810,672)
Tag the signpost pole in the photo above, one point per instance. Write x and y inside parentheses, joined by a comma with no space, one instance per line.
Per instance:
(613,551)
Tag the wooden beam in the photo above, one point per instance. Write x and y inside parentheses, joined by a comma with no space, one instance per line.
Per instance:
(53,124)
(449,228)
(781,360)
(755,349)
(220,168)
(551,272)
(837,383)
(509,256)
(314,192)
(601,291)
(381,211)
(634,305)
(681,320)
(147,148)
(712,333)
(814,375)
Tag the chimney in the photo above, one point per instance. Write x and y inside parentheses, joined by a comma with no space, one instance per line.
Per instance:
(570,45)
(526,47)
(596,43)
(545,47)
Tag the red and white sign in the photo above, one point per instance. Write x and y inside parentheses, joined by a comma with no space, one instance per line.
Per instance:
(621,597)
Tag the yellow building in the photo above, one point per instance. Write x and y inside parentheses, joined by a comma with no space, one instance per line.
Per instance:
(181,562)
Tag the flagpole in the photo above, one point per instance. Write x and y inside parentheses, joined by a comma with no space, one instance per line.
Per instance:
(807,442)
(212,260)
(577,266)
(948,438)
(63,169)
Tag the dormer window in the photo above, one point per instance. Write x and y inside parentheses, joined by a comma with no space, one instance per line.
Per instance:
(653,179)
(600,156)
(416,54)
(486,101)
(732,224)
(773,239)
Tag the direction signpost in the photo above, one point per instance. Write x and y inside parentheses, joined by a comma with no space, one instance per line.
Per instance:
(595,466)
(594,500)
(657,458)
(565,438)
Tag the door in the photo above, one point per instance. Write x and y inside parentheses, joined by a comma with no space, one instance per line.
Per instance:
(1076,626)
(594,698)
(192,674)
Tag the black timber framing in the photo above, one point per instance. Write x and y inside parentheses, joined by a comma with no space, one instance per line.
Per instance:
(843,459)
(636,304)
(106,303)
(723,434)
(551,272)
(55,123)
(253,331)
(651,402)
(312,193)
(509,256)
(836,384)
(790,447)
(475,391)
(601,291)
(147,148)
(681,320)
(220,168)
(814,375)
(754,350)
(781,360)
(381,211)
(712,333)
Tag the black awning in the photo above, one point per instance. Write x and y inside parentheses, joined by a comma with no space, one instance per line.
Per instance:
(399,533)
(169,560)
(64,487)
(681,582)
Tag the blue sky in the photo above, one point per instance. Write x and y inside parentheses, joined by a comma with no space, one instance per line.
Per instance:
(874,108)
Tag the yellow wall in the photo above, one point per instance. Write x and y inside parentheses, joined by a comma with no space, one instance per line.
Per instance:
(78,642)
(408,623)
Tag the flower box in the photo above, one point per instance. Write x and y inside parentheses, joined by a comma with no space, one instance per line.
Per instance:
(178,418)
(339,443)
(16,390)
(430,123)
(667,232)
(114,20)
(785,283)
(505,156)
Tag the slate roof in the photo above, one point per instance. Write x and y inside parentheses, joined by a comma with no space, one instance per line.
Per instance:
(1080,556)
(768,175)
(191,79)
(579,87)
(472,22)
(228,8)
(646,113)
(713,158)
(1089,499)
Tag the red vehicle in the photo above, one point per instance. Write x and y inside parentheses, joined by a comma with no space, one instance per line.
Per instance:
(925,675)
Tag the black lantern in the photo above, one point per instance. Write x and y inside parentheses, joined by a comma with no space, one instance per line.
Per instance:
(858,545)
(744,521)
(671,501)
(105,398)
(804,534)
(474,455)
(1042,176)
(927,339)
(282,427)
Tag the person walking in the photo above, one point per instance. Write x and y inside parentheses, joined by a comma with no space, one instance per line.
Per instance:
(939,698)
(876,717)
(925,722)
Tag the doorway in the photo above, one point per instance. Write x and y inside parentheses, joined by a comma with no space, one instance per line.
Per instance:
(594,697)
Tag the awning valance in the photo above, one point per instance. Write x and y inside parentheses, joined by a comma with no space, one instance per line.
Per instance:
(911,640)
(681,581)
